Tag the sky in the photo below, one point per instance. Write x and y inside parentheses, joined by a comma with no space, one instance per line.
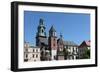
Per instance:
(73,26)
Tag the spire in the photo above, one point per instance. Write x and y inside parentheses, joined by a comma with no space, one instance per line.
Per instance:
(52,29)
(41,28)
(41,21)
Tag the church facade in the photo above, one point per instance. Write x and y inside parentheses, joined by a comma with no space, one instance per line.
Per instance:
(54,48)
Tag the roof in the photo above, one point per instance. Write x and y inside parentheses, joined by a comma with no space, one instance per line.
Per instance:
(52,29)
(60,40)
(44,41)
(85,43)
(88,43)
(70,43)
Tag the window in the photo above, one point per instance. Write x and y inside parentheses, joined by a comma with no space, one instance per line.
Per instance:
(36,50)
(33,50)
(36,56)
(33,55)
(54,33)
(42,30)
(54,44)
(54,39)
(26,55)
(74,50)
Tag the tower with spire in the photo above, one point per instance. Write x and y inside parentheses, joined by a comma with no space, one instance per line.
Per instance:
(41,37)
(52,42)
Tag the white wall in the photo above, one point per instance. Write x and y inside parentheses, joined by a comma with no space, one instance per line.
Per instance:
(5,35)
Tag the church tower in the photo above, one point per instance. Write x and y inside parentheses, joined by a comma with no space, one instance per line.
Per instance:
(53,43)
(41,34)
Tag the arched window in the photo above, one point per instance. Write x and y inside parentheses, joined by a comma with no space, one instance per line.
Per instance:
(42,31)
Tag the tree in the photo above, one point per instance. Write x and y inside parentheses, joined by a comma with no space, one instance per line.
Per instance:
(86,54)
(65,53)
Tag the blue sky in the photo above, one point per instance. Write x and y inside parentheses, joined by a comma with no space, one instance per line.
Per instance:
(73,26)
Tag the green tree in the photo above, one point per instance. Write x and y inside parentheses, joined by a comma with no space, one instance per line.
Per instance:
(86,54)
(65,53)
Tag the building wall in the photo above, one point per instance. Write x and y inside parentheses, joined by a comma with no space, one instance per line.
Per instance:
(53,47)
(53,43)
(53,54)
(60,57)
(32,54)
(72,52)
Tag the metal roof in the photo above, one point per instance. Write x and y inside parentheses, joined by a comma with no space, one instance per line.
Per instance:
(52,29)
(70,43)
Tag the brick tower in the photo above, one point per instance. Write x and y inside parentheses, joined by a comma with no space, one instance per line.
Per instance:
(52,41)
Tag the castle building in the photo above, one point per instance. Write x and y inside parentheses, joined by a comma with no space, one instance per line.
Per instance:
(50,47)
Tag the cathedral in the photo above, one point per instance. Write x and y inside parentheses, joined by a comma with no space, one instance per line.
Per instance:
(52,47)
